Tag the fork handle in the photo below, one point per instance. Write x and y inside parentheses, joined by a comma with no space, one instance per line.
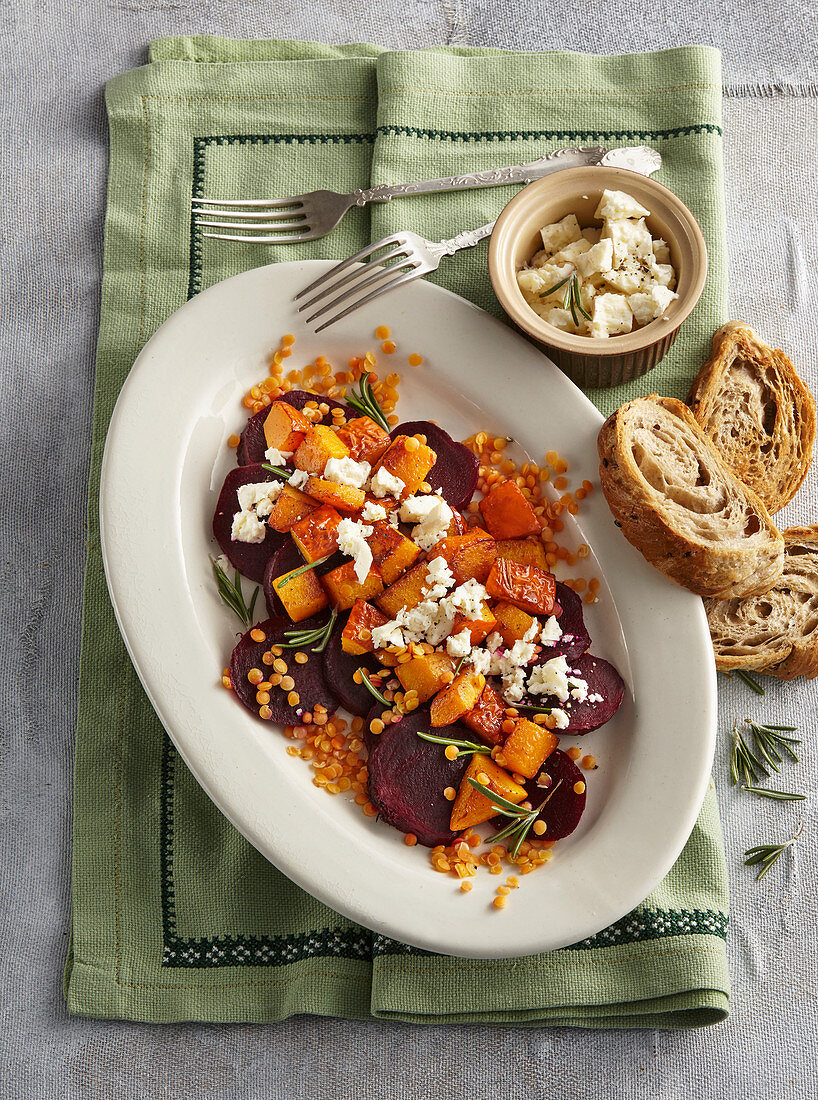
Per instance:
(467,239)
(517,173)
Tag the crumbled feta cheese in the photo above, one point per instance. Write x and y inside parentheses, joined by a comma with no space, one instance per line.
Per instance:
(650,304)
(559,318)
(599,257)
(559,234)
(346,471)
(259,497)
(664,275)
(431,514)
(532,281)
(223,562)
(532,632)
(550,678)
(661,252)
(277,458)
(631,276)
(388,634)
(382,484)
(373,513)
(612,315)
(514,684)
(480,661)
(628,238)
(595,698)
(247,527)
(571,253)
(459,645)
(352,536)
(298,479)
(560,717)
(468,599)
(578,689)
(551,631)
(619,204)
(439,579)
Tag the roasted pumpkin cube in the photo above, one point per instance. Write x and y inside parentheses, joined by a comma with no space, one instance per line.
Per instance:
(526,586)
(487,716)
(406,591)
(471,807)
(285,427)
(458,526)
(392,552)
(410,460)
(291,506)
(316,535)
(478,626)
(344,588)
(457,698)
(426,675)
(507,513)
(512,622)
(387,503)
(527,747)
(469,555)
(346,498)
(366,440)
(301,595)
(356,637)
(523,551)
(319,445)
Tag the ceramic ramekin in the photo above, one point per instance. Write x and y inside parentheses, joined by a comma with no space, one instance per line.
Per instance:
(590,362)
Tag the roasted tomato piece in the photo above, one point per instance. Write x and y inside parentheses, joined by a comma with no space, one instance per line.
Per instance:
(507,513)
(526,586)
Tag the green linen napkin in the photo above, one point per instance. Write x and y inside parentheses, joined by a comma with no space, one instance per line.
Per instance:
(175,915)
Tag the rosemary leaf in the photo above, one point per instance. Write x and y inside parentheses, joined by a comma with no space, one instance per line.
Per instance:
(745,767)
(767,855)
(510,809)
(232,595)
(286,474)
(370,687)
(301,569)
(464,748)
(777,796)
(300,639)
(749,680)
(578,300)
(364,402)
(460,664)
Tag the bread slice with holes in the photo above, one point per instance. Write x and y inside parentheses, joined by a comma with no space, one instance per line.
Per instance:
(681,506)
(777,632)
(750,401)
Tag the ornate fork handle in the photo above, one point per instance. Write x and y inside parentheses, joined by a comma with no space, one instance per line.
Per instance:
(517,173)
(467,239)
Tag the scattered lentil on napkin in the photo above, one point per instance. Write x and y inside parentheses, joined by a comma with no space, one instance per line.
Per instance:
(175,916)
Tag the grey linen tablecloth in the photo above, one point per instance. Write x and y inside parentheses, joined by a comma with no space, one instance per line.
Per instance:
(55,59)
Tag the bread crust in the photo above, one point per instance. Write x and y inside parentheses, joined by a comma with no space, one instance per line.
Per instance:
(681,506)
(776,633)
(750,401)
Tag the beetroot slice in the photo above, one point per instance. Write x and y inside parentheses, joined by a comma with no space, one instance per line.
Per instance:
(339,668)
(602,679)
(309,678)
(562,811)
(575,637)
(407,777)
(252,444)
(288,557)
(455,472)
(250,558)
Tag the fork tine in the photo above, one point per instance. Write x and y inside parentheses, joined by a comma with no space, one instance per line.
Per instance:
(282,238)
(356,273)
(301,223)
(414,273)
(293,200)
(249,215)
(376,276)
(370,249)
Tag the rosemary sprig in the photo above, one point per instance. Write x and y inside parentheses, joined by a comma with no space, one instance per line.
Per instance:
(373,691)
(300,639)
(364,401)
(522,820)
(555,287)
(767,855)
(749,680)
(771,740)
(576,302)
(277,470)
(460,664)
(464,748)
(776,796)
(301,569)
(745,767)
(231,594)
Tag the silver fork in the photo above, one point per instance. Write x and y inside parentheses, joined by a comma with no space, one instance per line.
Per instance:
(306,217)
(414,256)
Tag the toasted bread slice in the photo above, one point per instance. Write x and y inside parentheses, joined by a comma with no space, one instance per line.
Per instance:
(678,503)
(749,400)
(776,633)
